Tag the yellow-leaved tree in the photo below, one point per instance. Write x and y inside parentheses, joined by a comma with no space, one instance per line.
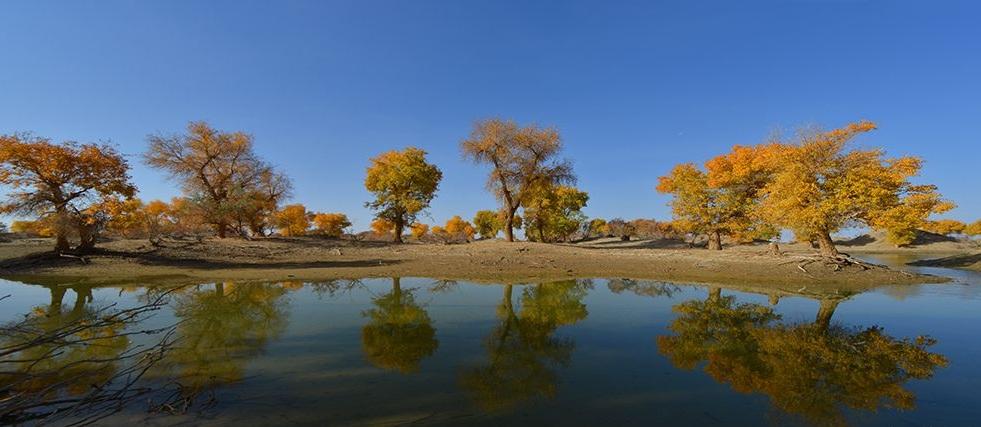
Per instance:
(523,159)
(61,183)
(292,220)
(404,184)
(331,224)
(973,229)
(487,223)
(945,226)
(820,186)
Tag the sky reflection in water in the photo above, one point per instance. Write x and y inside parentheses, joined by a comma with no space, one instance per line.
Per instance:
(581,352)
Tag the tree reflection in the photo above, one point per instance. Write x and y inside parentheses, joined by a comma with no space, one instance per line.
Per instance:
(58,367)
(642,288)
(399,333)
(221,327)
(522,352)
(814,371)
(76,364)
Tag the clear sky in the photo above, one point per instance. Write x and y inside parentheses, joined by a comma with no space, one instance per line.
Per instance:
(634,87)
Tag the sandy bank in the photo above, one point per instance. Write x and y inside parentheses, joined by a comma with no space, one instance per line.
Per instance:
(133,261)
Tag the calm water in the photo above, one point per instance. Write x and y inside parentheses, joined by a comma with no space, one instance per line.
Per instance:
(585,352)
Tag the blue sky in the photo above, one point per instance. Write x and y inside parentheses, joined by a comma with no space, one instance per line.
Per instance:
(634,87)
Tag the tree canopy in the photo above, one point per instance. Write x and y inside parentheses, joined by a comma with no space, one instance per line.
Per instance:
(64,184)
(222,175)
(522,158)
(404,184)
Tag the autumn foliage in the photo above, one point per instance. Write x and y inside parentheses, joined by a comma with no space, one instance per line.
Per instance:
(292,220)
(813,186)
(403,184)
(221,174)
(64,184)
(331,224)
(524,160)
(820,186)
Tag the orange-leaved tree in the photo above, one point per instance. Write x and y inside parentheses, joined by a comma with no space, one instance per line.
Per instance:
(820,186)
(419,230)
(60,182)
(404,184)
(523,159)
(382,227)
(722,200)
(331,224)
(457,228)
(292,220)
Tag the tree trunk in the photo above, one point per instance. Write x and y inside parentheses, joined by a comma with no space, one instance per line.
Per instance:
(86,237)
(221,229)
(61,244)
(825,311)
(57,296)
(509,226)
(715,293)
(827,245)
(715,241)
(399,227)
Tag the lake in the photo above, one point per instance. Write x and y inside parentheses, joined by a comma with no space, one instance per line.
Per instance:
(394,351)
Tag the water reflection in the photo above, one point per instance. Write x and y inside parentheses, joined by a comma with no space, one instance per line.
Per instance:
(399,333)
(817,372)
(221,327)
(810,370)
(522,353)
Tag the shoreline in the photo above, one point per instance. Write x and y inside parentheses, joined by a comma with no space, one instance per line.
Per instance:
(312,259)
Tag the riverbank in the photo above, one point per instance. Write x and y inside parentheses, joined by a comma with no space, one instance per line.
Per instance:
(311,258)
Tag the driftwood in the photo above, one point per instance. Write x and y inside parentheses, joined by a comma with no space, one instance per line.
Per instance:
(83,259)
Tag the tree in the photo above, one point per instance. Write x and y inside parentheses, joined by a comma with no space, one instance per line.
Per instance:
(618,227)
(221,174)
(331,224)
(60,182)
(403,184)
(973,229)
(381,226)
(186,217)
(459,229)
(723,200)
(488,224)
(945,226)
(598,228)
(523,159)
(819,187)
(419,230)
(3,227)
(292,220)
(555,213)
